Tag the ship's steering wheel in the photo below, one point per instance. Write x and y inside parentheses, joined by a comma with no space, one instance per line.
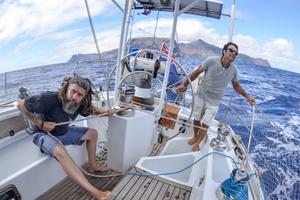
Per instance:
(131,70)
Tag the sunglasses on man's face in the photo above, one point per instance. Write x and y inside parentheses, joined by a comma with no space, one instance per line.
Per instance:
(233,51)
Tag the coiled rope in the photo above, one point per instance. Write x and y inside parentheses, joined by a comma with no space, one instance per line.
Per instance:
(235,188)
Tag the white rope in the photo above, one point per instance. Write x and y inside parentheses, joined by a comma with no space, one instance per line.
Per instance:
(101,176)
(86,118)
(133,106)
(84,171)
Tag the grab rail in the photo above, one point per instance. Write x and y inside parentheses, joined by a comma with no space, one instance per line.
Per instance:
(250,130)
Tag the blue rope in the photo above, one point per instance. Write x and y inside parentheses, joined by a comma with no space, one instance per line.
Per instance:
(179,171)
(235,190)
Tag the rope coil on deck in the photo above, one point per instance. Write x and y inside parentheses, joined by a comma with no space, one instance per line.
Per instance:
(235,187)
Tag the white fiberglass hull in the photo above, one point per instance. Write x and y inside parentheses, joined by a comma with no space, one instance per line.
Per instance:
(33,173)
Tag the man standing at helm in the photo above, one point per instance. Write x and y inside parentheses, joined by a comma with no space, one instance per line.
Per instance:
(218,72)
(49,108)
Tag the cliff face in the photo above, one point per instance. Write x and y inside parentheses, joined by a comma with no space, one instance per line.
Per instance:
(108,55)
(198,48)
(203,49)
(193,49)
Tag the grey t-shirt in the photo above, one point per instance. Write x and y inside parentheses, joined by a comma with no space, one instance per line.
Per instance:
(215,80)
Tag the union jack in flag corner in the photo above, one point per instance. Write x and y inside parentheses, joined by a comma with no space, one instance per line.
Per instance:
(174,76)
(164,49)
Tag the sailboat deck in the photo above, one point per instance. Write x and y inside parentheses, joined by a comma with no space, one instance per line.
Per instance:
(121,187)
(140,188)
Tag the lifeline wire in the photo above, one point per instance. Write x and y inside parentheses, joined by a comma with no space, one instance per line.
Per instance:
(87,118)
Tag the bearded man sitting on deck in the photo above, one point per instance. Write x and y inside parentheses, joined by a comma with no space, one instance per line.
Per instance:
(72,99)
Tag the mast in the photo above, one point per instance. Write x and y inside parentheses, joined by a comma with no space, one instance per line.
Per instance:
(93,30)
(116,3)
(171,48)
(123,43)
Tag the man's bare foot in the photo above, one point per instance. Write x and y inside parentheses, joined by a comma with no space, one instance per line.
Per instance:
(99,168)
(192,140)
(102,195)
(196,147)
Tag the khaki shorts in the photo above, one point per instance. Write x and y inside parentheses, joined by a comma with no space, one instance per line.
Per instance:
(204,112)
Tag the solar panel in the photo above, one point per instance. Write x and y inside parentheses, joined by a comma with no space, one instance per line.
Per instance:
(208,8)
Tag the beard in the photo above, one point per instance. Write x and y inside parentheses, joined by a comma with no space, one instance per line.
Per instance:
(70,107)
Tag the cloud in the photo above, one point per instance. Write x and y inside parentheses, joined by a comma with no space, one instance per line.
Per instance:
(61,35)
(280,47)
(29,24)
(107,40)
(110,39)
(33,18)
(85,44)
(20,47)
(196,29)
(279,51)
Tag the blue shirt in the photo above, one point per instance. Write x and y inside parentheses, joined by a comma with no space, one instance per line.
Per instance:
(48,106)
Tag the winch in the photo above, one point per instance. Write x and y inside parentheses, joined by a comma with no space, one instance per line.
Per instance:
(143,94)
(219,143)
(126,93)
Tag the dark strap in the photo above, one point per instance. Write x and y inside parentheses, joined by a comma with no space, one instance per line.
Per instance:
(156,67)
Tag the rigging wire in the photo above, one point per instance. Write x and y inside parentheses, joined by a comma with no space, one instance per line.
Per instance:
(130,33)
(251,128)
(94,35)
(154,34)
(116,3)
(87,118)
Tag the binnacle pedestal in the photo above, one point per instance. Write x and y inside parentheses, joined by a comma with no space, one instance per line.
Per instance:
(129,138)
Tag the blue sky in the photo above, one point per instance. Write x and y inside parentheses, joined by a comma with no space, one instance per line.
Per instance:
(35,32)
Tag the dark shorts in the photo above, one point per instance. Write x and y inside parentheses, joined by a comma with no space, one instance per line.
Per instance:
(47,143)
